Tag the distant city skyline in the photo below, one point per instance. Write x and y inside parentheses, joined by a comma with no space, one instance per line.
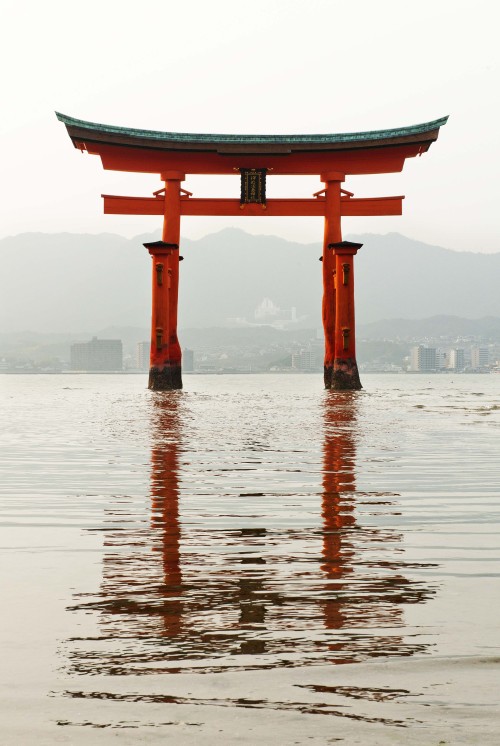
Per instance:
(397,68)
(258,349)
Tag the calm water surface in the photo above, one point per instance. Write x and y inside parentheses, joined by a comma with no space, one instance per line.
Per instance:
(251,560)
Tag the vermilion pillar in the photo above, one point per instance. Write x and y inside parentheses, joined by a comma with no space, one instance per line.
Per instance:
(345,369)
(165,371)
(333,233)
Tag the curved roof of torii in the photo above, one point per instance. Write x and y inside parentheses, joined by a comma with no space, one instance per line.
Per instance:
(150,151)
(90,132)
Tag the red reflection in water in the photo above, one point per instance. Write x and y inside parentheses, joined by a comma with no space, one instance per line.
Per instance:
(353,599)
(186,583)
(339,482)
(165,504)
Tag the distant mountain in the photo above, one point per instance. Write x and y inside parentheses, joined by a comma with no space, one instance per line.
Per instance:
(398,277)
(81,283)
(66,282)
(435,327)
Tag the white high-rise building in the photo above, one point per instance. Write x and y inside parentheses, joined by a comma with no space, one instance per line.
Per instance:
(480,357)
(457,359)
(423,359)
(142,355)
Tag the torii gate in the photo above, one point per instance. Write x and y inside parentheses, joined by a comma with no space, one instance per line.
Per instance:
(172,155)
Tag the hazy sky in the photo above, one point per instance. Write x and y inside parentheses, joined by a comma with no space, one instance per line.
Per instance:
(259,66)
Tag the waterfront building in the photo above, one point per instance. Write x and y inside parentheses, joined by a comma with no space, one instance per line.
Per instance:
(442,359)
(423,359)
(142,355)
(456,359)
(97,355)
(480,357)
(188,360)
(307,360)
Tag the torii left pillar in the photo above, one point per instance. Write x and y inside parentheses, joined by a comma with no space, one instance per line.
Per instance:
(165,371)
(345,375)
(340,366)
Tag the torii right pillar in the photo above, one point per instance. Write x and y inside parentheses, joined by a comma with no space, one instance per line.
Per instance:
(340,366)
(165,373)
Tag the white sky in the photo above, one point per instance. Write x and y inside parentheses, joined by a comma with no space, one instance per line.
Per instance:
(269,66)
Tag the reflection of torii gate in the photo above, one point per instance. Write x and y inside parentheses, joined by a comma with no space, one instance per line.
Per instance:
(331,157)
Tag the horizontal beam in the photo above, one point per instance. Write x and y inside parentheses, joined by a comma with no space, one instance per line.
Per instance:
(361,161)
(273,207)
(371,206)
(349,206)
(115,205)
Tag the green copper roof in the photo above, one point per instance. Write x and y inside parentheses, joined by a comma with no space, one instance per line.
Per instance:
(191,137)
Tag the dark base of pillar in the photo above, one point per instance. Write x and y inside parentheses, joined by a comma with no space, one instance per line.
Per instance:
(168,378)
(328,376)
(343,376)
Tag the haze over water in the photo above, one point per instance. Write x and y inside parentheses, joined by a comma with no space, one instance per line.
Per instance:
(251,560)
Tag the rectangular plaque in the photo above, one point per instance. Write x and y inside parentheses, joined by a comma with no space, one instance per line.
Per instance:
(253,185)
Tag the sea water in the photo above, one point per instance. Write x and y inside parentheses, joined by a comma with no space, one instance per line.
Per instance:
(251,560)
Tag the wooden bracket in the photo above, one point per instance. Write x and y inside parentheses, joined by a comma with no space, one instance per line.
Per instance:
(321,193)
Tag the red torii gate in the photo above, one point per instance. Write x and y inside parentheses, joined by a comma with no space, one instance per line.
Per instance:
(331,157)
